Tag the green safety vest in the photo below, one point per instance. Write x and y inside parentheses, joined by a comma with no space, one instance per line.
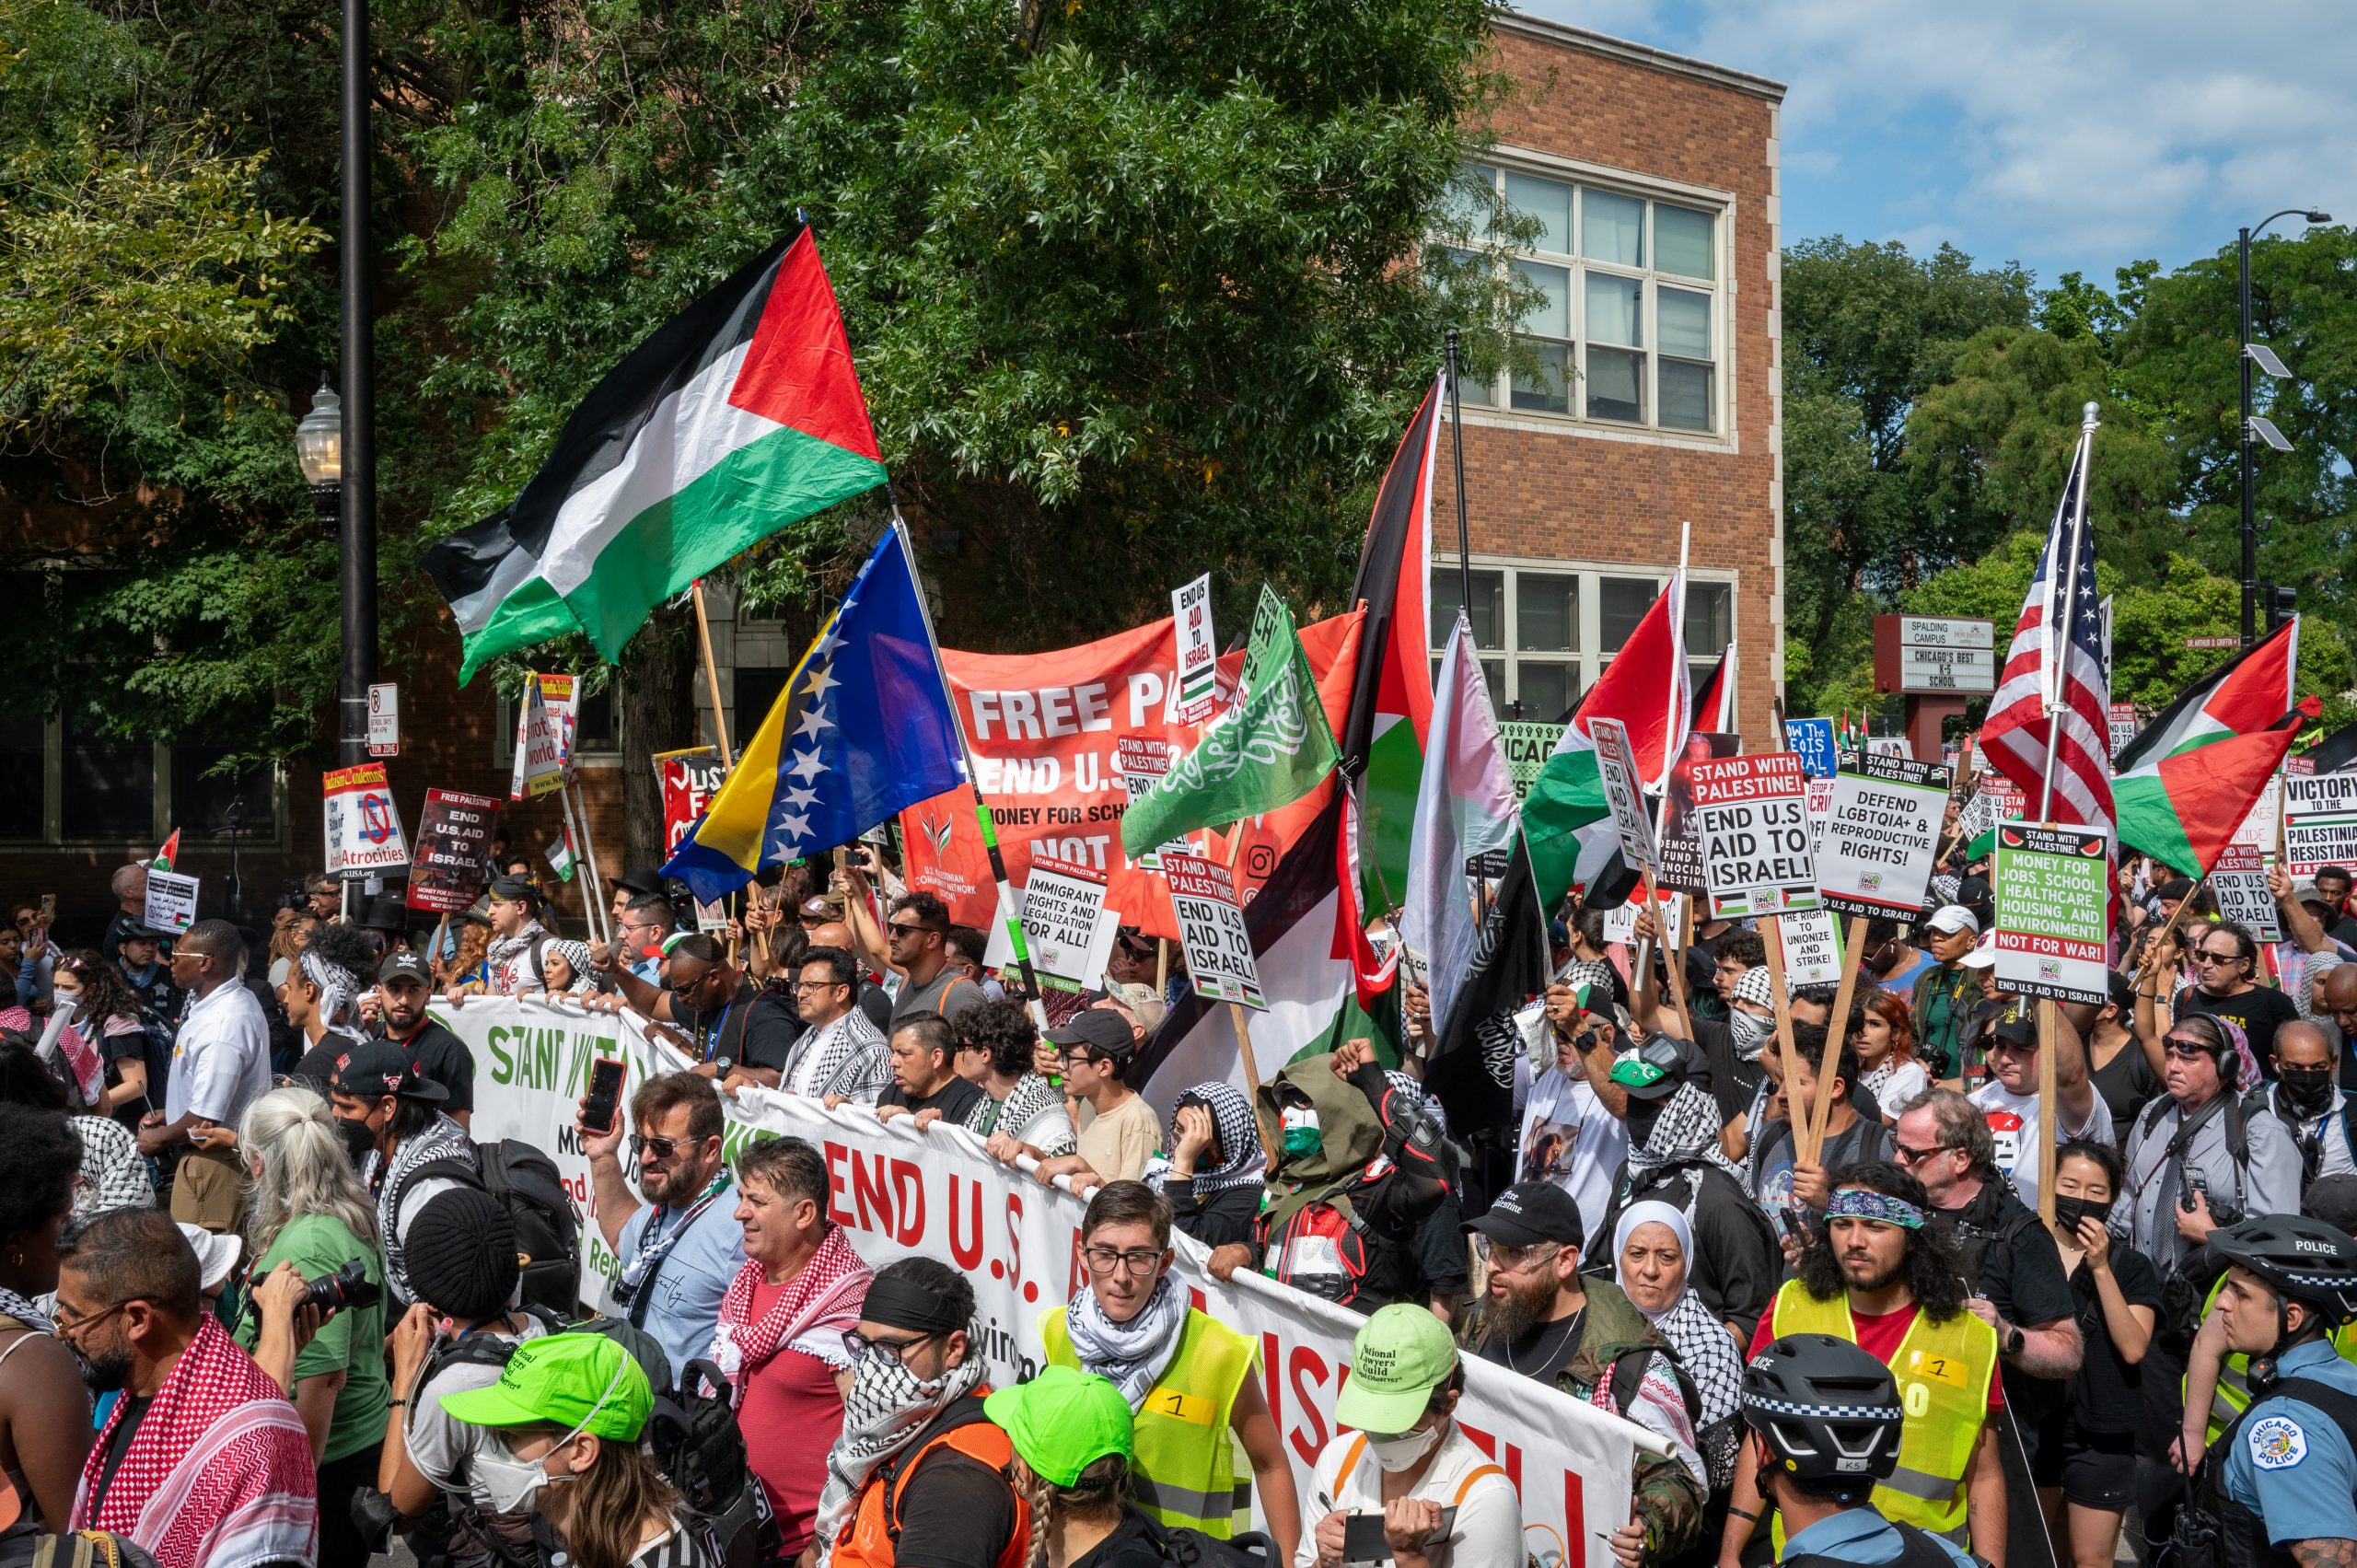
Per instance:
(1187,1469)
(1942,1371)
(2233,1397)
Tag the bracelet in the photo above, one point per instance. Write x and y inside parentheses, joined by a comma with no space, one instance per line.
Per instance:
(1743,1513)
(398,1404)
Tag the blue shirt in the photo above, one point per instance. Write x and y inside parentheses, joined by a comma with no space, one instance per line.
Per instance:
(684,1307)
(1862,1536)
(2290,1463)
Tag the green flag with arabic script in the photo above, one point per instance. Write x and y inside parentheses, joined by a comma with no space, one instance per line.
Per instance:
(1274,747)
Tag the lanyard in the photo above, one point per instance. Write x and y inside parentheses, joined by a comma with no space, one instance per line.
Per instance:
(629,1288)
(713,1036)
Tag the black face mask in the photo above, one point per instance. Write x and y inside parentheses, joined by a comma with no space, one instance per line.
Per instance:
(2310,1088)
(358,1140)
(1642,1114)
(2069,1212)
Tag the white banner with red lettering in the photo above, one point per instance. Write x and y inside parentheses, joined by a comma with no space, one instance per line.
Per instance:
(901,1191)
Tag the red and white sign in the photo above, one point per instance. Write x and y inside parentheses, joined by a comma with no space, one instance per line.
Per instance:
(1752,815)
(2239,881)
(384,719)
(364,830)
(1211,930)
(688,783)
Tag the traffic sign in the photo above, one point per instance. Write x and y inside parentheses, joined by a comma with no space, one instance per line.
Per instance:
(384,719)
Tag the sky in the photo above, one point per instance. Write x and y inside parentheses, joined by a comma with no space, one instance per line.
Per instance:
(2071,138)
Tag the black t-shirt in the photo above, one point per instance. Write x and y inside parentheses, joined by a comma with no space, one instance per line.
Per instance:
(1543,1353)
(135,1411)
(953,1100)
(877,1005)
(1131,1545)
(1223,1217)
(2261,1011)
(1732,1080)
(2127,1085)
(440,1056)
(955,1512)
(2107,1395)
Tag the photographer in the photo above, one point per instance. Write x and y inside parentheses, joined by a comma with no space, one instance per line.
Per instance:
(309,1210)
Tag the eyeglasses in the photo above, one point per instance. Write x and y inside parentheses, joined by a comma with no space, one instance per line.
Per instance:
(1080,1053)
(1512,1260)
(858,1344)
(2186,1049)
(818,984)
(1106,1260)
(66,1324)
(898,929)
(657,1149)
(2207,956)
(1906,1155)
(687,993)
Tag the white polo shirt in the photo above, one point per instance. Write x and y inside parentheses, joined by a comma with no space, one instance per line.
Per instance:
(221,1061)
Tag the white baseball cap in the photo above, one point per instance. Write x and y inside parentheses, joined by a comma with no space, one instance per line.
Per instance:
(217,1256)
(1984,955)
(1954,917)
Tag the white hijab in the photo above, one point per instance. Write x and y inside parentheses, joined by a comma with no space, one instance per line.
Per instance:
(1652,1211)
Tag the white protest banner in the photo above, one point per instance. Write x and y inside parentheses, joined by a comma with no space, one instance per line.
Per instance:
(363,829)
(1616,763)
(171,902)
(2053,888)
(1065,924)
(900,1192)
(1211,929)
(2319,821)
(1752,819)
(2239,880)
(1812,949)
(1880,833)
(1190,623)
(2264,821)
(1143,760)
(1885,746)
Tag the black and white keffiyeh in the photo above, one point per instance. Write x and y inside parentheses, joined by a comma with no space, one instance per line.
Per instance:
(1241,1160)
(1134,1354)
(1703,1346)
(1687,1132)
(443,1140)
(886,1410)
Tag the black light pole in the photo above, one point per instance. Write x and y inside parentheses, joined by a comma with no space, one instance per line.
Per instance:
(2243,359)
(359,478)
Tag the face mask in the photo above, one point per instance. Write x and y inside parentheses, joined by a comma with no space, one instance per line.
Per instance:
(2069,1212)
(1302,1135)
(1750,1031)
(2310,1088)
(358,1140)
(508,1483)
(1397,1454)
(1642,1114)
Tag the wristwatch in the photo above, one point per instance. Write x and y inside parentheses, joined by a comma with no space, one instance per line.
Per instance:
(2014,1339)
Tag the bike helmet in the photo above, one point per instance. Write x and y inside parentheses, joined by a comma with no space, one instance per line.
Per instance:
(2306,1259)
(1829,1409)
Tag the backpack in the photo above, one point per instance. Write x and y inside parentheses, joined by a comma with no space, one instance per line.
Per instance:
(701,1450)
(1193,1548)
(546,1221)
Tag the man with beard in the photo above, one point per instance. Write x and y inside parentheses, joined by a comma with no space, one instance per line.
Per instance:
(1731,1044)
(407,1150)
(1880,1279)
(1673,1156)
(920,1474)
(2307,1098)
(1544,1320)
(404,986)
(202,1460)
(681,1249)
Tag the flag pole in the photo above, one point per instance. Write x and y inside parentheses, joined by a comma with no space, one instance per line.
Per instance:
(597,873)
(712,672)
(1670,746)
(965,758)
(1457,439)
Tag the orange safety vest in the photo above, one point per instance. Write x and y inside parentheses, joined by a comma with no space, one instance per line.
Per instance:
(872,1538)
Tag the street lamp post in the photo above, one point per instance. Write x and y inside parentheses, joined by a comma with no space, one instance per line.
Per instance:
(358,494)
(2251,422)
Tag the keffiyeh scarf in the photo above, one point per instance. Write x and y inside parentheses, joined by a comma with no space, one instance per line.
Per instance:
(577,957)
(1242,1162)
(445,1140)
(510,958)
(811,1313)
(1686,1133)
(841,1058)
(887,1409)
(23,1312)
(1703,1348)
(1134,1354)
(218,1475)
(69,1055)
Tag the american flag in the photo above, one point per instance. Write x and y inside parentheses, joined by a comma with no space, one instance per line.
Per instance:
(2056,662)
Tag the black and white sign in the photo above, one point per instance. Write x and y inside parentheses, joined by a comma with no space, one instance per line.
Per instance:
(384,719)
(1752,818)
(1211,930)
(1616,763)
(1880,833)
(2239,880)
(1065,924)
(171,902)
(2319,821)
(1812,949)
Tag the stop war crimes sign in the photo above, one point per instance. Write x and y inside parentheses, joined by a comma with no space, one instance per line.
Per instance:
(1752,815)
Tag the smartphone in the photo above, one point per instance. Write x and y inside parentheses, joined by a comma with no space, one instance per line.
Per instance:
(2194,1182)
(1363,1538)
(598,1110)
(48,910)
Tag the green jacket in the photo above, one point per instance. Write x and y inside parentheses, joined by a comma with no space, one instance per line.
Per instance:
(1943,1001)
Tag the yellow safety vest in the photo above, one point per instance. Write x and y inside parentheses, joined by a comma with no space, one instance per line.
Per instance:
(1189,1468)
(1943,1370)
(2233,1396)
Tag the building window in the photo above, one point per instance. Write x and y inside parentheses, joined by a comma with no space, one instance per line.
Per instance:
(65,781)
(1545,629)
(1626,327)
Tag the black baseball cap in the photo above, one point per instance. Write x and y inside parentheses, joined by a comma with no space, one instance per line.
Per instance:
(1530,1213)
(377,1067)
(1099,1029)
(408,965)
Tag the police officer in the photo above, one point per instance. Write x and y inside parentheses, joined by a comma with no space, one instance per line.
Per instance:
(2282,1479)
(1825,1417)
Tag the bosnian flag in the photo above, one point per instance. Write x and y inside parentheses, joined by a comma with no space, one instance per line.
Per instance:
(738,417)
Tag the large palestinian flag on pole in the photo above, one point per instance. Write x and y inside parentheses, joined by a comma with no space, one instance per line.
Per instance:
(738,417)
(2245,695)
(2185,808)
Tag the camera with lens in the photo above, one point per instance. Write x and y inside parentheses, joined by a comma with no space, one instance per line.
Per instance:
(347,1287)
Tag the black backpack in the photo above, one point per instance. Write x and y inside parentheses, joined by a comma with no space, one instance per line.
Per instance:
(546,1220)
(701,1450)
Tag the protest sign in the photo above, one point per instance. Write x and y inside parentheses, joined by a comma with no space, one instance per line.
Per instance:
(453,841)
(1752,815)
(171,902)
(1821,807)
(1616,763)
(1190,622)
(687,781)
(1812,949)
(1065,924)
(1812,741)
(561,695)
(540,747)
(1144,760)
(1680,866)
(363,829)
(1621,923)
(1880,833)
(2239,880)
(2053,887)
(2121,719)
(2319,821)
(1210,928)
(1527,745)
(2261,824)
(1885,746)
(901,1192)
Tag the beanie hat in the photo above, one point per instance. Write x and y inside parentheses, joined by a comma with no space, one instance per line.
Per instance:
(462,1254)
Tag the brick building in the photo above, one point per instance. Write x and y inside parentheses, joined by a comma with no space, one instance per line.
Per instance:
(1654,179)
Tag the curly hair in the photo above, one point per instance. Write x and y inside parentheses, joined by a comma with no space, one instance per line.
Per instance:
(1931,1271)
(1003,1028)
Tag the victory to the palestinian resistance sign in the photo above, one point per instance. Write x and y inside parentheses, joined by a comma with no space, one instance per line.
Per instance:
(1752,815)
(2053,888)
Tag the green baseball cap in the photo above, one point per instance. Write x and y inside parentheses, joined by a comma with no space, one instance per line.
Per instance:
(1643,1079)
(1063,1422)
(584,1381)
(1401,1354)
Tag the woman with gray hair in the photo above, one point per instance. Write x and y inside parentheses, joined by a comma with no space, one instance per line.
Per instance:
(310,1214)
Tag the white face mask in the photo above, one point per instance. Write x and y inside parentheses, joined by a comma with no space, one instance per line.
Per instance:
(1396,1454)
(508,1483)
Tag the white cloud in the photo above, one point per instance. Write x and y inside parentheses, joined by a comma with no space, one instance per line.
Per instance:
(2083,134)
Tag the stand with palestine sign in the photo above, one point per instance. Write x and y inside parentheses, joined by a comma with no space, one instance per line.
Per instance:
(1751,814)
(2053,887)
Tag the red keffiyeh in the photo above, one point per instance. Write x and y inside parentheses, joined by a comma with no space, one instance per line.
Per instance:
(89,1073)
(218,1475)
(811,1312)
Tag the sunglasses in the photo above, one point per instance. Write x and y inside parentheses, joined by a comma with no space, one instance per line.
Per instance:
(1906,1155)
(657,1149)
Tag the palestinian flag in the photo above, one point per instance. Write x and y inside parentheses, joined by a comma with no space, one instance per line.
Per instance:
(169,853)
(738,417)
(1714,703)
(2241,696)
(1391,697)
(1371,974)
(2184,809)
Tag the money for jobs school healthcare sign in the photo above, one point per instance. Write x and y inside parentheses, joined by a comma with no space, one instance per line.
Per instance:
(901,1192)
(2053,887)
(1752,815)
(1880,833)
